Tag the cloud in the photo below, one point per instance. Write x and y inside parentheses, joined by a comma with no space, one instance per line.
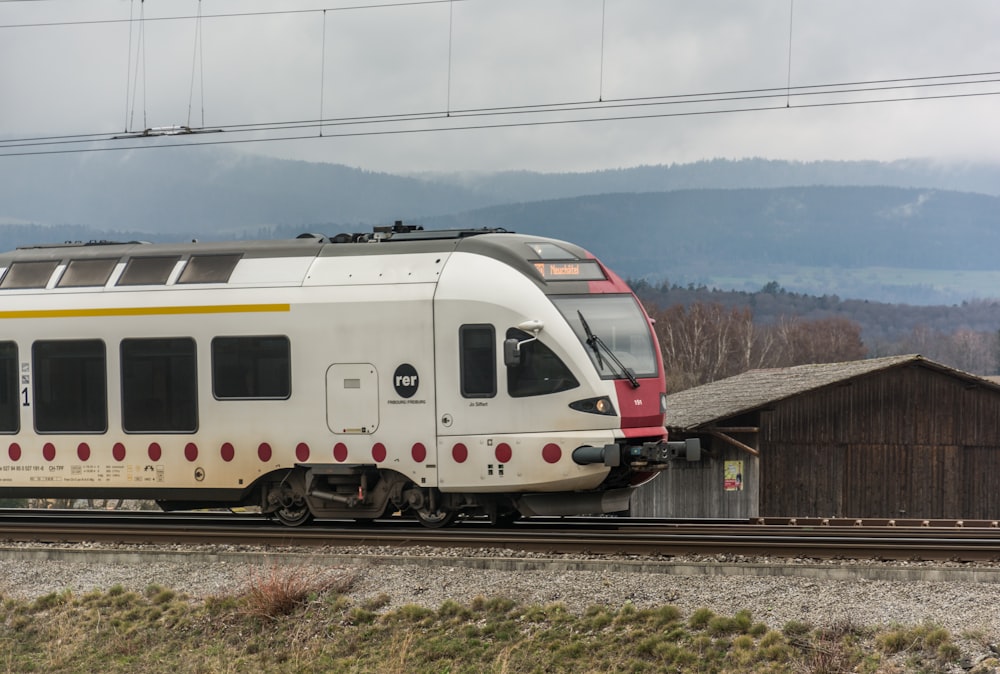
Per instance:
(300,63)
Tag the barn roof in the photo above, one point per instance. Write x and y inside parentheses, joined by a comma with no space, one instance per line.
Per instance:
(694,407)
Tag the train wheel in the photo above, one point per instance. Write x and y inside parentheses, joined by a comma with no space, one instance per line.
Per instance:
(435,519)
(294,515)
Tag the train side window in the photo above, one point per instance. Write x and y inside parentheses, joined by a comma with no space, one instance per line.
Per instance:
(10,401)
(82,273)
(145,271)
(540,371)
(209,268)
(34,274)
(70,385)
(159,385)
(251,367)
(478,361)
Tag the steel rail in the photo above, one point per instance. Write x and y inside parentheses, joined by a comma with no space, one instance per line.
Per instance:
(598,536)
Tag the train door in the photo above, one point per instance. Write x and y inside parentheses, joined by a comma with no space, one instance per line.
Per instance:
(473,408)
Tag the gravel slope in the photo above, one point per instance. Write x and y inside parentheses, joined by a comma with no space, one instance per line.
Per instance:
(429,577)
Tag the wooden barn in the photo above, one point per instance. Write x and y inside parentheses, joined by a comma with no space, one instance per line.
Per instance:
(900,436)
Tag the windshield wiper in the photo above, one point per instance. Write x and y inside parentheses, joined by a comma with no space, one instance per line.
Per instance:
(597,344)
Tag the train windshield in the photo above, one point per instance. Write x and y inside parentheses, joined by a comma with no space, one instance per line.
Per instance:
(614,331)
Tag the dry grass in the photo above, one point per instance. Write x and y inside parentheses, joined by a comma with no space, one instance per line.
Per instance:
(280,590)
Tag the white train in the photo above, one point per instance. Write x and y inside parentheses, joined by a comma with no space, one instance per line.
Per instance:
(437,373)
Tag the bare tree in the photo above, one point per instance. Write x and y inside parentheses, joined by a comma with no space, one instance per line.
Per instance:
(705,342)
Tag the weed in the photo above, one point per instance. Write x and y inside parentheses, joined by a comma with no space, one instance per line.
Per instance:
(895,641)
(119,632)
(360,616)
(163,597)
(948,652)
(499,605)
(700,618)
(281,590)
(411,613)
(597,618)
(452,609)
(721,626)
(667,615)
(52,600)
(376,603)
(795,628)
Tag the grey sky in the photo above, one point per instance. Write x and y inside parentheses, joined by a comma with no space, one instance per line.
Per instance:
(390,60)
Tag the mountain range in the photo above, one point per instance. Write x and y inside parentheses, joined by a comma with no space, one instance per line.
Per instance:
(913,231)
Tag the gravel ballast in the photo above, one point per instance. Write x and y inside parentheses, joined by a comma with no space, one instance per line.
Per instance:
(774,591)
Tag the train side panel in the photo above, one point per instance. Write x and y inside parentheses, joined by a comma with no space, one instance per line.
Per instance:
(236,439)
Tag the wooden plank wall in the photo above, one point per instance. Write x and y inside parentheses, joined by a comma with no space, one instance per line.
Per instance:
(697,490)
(908,442)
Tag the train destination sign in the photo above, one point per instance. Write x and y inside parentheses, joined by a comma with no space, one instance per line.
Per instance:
(570,270)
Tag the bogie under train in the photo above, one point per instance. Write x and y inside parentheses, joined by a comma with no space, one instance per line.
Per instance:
(438,373)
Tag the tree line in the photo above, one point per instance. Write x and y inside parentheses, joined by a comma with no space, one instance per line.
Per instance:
(705,341)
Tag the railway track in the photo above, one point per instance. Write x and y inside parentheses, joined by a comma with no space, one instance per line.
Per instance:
(819,539)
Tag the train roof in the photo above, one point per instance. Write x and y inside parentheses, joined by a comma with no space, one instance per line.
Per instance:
(92,263)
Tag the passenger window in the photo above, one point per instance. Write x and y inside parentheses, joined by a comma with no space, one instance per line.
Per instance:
(10,402)
(477,351)
(70,385)
(141,271)
(251,367)
(540,370)
(29,274)
(209,268)
(159,386)
(82,273)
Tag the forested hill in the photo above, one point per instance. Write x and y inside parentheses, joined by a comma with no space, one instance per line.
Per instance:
(898,232)
(649,233)
(820,240)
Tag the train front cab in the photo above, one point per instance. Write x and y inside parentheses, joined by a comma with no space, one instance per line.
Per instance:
(550,384)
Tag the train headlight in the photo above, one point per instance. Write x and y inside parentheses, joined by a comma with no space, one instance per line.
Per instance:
(600,405)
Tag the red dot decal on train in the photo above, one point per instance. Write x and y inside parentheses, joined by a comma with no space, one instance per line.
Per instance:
(118,452)
(419,452)
(378,452)
(14,451)
(551,453)
(264,452)
(503,452)
(302,451)
(48,451)
(460,453)
(191,451)
(154,451)
(227,451)
(83,451)
(340,452)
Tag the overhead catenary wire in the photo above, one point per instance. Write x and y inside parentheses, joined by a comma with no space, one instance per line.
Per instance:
(838,88)
(224,15)
(600,76)
(306,124)
(322,74)
(791,25)
(451,23)
(568,112)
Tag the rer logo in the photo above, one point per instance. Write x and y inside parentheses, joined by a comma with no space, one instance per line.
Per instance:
(405,380)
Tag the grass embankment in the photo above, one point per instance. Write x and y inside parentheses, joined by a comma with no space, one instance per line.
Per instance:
(293,621)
